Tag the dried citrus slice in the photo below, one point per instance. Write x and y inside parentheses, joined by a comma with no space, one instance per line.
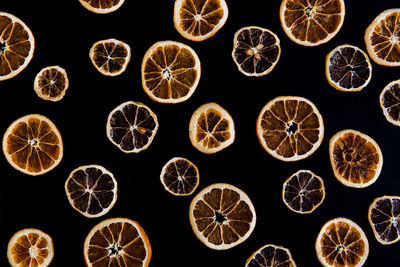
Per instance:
(256,50)
(117,242)
(390,102)
(91,190)
(132,126)
(33,145)
(211,128)
(16,46)
(356,158)
(180,177)
(51,83)
(30,248)
(303,192)
(348,68)
(271,255)
(198,20)
(222,216)
(110,57)
(312,22)
(170,72)
(102,6)
(384,217)
(290,128)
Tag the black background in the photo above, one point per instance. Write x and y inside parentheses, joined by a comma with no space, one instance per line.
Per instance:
(64,32)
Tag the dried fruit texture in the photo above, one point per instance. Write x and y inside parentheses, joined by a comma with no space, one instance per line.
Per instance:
(51,83)
(390,102)
(271,255)
(102,6)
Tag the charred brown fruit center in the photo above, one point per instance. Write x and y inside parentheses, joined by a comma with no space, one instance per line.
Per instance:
(114,250)
(309,11)
(3,47)
(220,217)
(291,127)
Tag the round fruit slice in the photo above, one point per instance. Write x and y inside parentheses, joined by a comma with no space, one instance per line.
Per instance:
(180,177)
(33,145)
(102,6)
(303,192)
(211,128)
(290,128)
(256,50)
(348,68)
(356,158)
(384,217)
(117,242)
(51,83)
(222,216)
(16,46)
(170,72)
(91,190)
(110,57)
(390,102)
(132,126)
(31,248)
(341,242)
(198,20)
(271,255)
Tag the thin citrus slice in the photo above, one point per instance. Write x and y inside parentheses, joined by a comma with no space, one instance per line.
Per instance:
(222,216)
(271,255)
(16,46)
(132,126)
(33,145)
(356,158)
(170,72)
(348,68)
(102,6)
(390,102)
(211,128)
(51,83)
(30,248)
(180,177)
(384,217)
(290,128)
(118,242)
(256,50)
(198,20)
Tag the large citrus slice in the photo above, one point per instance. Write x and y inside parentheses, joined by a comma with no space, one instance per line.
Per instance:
(271,256)
(102,6)
(390,102)
(51,83)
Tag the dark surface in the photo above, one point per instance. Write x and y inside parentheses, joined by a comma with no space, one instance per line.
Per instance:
(65,31)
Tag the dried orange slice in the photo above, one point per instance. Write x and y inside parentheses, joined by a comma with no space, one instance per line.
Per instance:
(198,20)
(33,145)
(31,248)
(356,158)
(290,128)
(311,22)
(384,217)
(102,6)
(348,68)
(51,83)
(170,72)
(256,50)
(222,216)
(390,102)
(271,255)
(16,46)
(117,242)
(211,128)
(341,242)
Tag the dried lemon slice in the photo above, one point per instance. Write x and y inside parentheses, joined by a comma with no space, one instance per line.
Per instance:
(51,83)
(390,102)
(102,6)
(271,255)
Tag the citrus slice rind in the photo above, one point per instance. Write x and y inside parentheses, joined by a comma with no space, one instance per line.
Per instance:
(389,101)
(102,6)
(51,83)
(271,255)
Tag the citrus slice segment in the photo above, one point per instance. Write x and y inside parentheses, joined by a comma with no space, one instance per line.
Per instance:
(384,217)
(198,20)
(16,46)
(211,128)
(271,255)
(356,158)
(117,242)
(290,128)
(348,68)
(51,83)
(256,50)
(222,216)
(132,126)
(170,72)
(390,102)
(33,145)
(102,6)
(341,242)
(31,248)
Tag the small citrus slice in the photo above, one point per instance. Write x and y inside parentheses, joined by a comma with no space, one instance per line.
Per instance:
(271,255)
(132,126)
(348,68)
(290,128)
(256,50)
(117,242)
(16,46)
(390,102)
(30,248)
(356,158)
(341,242)
(170,72)
(198,20)
(384,217)
(102,6)
(211,128)
(51,83)
(33,145)
(222,216)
